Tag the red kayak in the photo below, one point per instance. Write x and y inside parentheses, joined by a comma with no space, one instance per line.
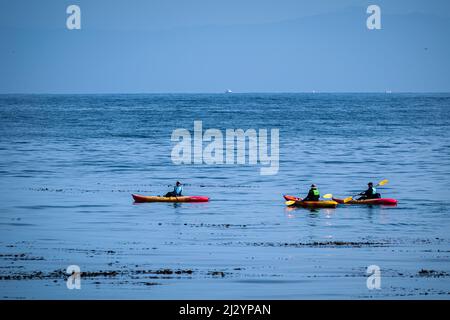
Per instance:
(140,198)
(380,201)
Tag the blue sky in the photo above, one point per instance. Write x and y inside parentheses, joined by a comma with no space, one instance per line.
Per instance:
(209,46)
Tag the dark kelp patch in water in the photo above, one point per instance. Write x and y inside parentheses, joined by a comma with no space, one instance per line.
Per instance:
(19,257)
(432,273)
(165,273)
(315,244)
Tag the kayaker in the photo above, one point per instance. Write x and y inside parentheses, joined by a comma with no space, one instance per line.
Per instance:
(313,194)
(177,190)
(370,193)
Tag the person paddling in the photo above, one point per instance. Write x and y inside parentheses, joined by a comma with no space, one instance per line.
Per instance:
(370,193)
(313,194)
(177,190)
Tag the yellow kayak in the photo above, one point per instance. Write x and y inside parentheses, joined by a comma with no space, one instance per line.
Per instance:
(311,204)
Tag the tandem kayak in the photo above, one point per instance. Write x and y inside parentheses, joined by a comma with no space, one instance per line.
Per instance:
(311,204)
(140,198)
(380,201)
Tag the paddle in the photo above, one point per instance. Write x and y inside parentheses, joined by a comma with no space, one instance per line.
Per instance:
(381,183)
(292,202)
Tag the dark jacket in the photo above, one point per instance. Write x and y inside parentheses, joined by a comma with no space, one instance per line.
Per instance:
(313,195)
(370,193)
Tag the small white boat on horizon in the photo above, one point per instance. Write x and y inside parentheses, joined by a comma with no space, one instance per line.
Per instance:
(228,91)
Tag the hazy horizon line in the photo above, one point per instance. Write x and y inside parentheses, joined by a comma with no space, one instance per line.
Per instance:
(226,93)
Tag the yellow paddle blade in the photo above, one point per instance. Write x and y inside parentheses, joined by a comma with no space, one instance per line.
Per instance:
(382,183)
(348,199)
(290,203)
(328,196)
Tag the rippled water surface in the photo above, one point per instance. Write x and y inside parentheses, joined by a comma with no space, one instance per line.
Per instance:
(68,164)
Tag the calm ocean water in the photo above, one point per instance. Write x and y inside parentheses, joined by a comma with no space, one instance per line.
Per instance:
(68,164)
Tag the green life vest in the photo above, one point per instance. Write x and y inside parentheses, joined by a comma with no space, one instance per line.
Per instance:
(374,190)
(316,192)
